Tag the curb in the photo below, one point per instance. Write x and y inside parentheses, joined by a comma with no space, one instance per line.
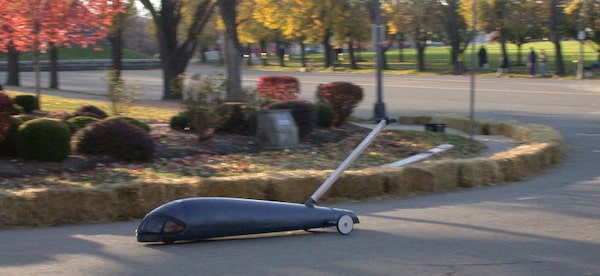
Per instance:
(84,64)
(539,147)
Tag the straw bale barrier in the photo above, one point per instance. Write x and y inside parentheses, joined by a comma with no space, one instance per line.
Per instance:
(539,147)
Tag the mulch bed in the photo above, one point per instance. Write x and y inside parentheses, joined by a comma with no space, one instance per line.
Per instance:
(171,144)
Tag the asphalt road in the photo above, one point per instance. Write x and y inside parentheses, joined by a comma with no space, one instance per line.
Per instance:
(546,225)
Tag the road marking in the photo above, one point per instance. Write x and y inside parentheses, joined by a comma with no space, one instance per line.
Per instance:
(587,134)
(596,151)
(502,90)
(528,198)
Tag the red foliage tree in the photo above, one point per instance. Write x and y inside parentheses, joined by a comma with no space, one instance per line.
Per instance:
(278,87)
(36,25)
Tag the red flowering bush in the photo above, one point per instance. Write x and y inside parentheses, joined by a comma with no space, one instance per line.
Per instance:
(342,97)
(278,87)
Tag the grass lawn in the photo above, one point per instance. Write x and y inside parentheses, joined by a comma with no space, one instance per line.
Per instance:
(437,60)
(149,112)
(78,52)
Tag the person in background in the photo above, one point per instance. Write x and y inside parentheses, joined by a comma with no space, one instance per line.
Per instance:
(483,63)
(502,65)
(542,63)
(531,58)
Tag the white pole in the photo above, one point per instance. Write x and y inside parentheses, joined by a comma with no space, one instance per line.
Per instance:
(349,160)
(419,157)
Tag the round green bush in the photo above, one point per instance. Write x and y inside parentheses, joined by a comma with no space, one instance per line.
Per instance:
(235,118)
(118,139)
(325,115)
(181,121)
(91,111)
(78,122)
(7,104)
(303,112)
(29,103)
(132,121)
(44,139)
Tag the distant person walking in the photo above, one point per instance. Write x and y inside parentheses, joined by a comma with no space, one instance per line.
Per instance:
(542,63)
(531,58)
(483,61)
(502,65)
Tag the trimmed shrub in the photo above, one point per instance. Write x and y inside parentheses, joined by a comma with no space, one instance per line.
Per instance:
(118,139)
(202,98)
(278,87)
(303,112)
(132,121)
(325,115)
(90,111)
(236,118)
(29,103)
(25,117)
(342,97)
(79,122)
(44,139)
(181,121)
(7,105)
(8,145)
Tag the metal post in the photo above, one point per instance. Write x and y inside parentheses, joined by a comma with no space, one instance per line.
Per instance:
(379,105)
(581,38)
(472,95)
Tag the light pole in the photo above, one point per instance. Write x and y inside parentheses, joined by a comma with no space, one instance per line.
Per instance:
(581,38)
(379,105)
(472,94)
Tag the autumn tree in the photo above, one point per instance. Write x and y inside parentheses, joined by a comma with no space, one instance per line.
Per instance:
(7,32)
(36,25)
(293,19)
(115,36)
(497,16)
(178,26)
(397,25)
(557,28)
(456,30)
(421,18)
(351,32)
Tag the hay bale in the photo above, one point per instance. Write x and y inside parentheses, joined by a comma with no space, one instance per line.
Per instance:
(512,168)
(367,183)
(128,202)
(294,187)
(239,186)
(415,180)
(11,208)
(477,172)
(445,174)
(97,205)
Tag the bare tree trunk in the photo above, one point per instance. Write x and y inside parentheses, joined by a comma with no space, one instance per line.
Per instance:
(116,42)
(36,70)
(303,53)
(351,54)
(556,36)
(232,50)
(53,52)
(420,57)
(12,78)
(328,51)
